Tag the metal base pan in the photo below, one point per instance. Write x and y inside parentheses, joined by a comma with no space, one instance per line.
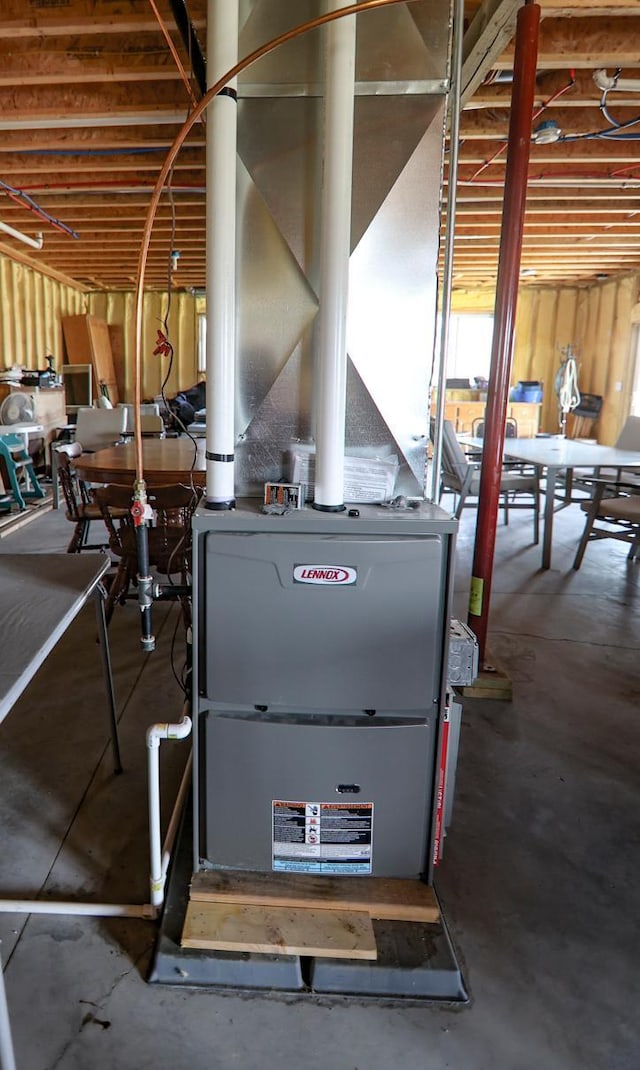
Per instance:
(416,962)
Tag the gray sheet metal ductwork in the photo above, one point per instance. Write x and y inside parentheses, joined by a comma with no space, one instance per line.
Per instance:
(401,78)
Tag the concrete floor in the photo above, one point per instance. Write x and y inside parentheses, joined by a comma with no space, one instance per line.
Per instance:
(539,881)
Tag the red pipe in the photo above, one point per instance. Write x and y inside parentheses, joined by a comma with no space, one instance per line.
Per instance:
(515,194)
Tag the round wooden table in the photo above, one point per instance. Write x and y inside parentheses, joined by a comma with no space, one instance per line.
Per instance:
(166,461)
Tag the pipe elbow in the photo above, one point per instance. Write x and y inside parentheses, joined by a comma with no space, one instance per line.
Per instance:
(603,80)
(157,732)
(180,730)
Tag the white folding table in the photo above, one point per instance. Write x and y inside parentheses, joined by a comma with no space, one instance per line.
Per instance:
(553,455)
(40,595)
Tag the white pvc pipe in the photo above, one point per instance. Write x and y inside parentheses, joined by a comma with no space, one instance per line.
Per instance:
(98,910)
(222,54)
(35,243)
(605,81)
(155,734)
(7,1058)
(335,241)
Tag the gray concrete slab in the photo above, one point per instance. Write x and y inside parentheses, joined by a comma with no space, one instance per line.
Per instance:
(539,880)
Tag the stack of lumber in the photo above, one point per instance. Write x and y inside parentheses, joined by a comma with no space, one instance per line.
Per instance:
(292,914)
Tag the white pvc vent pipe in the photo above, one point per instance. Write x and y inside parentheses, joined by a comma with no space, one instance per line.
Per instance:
(35,243)
(159,855)
(335,241)
(221,138)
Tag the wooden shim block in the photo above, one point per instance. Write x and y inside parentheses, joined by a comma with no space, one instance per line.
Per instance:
(279,930)
(393,900)
(493,683)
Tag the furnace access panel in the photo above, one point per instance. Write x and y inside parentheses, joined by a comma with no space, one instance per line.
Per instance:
(319,647)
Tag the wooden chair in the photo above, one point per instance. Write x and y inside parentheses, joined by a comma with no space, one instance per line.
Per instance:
(81,508)
(18,470)
(169,536)
(462,477)
(611,517)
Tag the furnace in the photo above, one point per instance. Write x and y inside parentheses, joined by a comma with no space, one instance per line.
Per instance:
(320,677)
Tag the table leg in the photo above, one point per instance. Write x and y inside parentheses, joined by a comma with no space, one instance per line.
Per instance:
(549,506)
(54,477)
(100,595)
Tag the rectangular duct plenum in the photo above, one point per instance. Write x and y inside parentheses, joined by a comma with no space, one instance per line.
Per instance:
(401,72)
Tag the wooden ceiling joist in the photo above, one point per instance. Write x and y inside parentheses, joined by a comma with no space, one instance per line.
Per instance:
(86,84)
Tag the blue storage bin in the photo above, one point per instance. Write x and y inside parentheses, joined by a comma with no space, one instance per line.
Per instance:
(529,391)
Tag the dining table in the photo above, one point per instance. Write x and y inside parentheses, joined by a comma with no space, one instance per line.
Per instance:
(552,455)
(165,460)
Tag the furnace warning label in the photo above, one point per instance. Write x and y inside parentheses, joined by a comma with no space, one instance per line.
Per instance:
(317,837)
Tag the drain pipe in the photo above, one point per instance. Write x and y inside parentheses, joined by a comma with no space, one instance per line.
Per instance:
(7,1056)
(160,856)
(335,248)
(160,852)
(222,136)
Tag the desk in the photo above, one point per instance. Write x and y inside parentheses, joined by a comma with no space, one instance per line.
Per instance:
(41,595)
(553,455)
(166,460)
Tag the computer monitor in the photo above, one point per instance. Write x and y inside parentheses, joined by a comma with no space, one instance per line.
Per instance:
(78,386)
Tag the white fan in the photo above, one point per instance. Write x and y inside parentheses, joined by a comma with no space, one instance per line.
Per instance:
(17,409)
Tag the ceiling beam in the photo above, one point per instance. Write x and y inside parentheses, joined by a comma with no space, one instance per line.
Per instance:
(484,125)
(583,93)
(492,27)
(591,43)
(85,18)
(66,64)
(569,152)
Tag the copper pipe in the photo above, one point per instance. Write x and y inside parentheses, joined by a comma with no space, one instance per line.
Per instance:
(258,53)
(515,196)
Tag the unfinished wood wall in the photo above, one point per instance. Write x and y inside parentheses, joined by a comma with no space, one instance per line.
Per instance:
(599,321)
(31,306)
(118,308)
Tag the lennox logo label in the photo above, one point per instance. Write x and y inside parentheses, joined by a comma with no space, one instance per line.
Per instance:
(328,575)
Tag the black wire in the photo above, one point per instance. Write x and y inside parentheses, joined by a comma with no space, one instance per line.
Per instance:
(177,678)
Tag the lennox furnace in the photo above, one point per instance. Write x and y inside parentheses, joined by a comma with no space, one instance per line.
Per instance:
(321,712)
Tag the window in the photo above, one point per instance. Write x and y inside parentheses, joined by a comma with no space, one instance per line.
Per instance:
(470,337)
(635,362)
(202,342)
